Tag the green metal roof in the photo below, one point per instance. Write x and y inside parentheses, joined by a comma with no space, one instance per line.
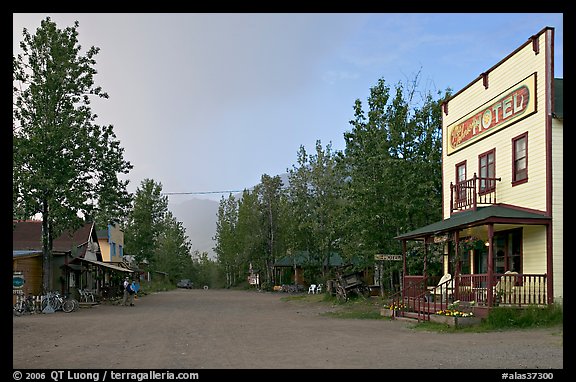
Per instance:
(482,215)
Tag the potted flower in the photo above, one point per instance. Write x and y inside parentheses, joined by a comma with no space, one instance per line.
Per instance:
(392,309)
(454,316)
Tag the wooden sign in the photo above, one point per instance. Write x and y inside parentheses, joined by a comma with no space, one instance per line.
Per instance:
(388,257)
(503,110)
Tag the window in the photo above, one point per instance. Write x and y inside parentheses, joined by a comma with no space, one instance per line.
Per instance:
(520,159)
(487,172)
(460,178)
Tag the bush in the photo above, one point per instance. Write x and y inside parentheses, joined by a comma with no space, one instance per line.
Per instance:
(504,317)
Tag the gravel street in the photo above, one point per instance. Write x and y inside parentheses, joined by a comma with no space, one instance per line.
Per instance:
(225,329)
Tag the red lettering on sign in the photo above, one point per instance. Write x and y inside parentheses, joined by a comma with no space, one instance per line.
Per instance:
(506,108)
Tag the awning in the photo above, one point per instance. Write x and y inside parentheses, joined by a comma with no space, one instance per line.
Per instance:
(74,267)
(107,265)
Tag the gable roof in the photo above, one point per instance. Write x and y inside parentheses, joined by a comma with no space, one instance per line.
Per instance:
(27,235)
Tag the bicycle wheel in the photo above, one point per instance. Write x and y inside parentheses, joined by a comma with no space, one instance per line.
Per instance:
(68,306)
(18,309)
(54,303)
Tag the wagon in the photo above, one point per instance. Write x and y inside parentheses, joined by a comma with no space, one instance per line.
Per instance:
(349,284)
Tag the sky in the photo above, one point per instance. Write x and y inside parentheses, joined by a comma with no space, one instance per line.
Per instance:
(210,102)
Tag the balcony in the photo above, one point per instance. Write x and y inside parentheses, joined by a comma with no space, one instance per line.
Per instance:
(471,193)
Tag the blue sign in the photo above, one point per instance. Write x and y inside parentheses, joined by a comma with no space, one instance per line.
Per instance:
(18,281)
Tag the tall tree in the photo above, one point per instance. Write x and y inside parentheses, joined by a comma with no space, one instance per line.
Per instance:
(173,254)
(226,239)
(65,166)
(316,200)
(146,222)
(270,194)
(393,165)
(250,232)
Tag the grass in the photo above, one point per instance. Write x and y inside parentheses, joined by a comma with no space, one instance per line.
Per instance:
(500,318)
(356,307)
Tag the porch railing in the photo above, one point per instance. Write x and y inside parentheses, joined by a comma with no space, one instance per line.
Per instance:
(422,296)
(470,193)
(506,288)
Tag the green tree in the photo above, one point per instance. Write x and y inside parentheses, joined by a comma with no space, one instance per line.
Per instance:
(316,202)
(146,222)
(65,166)
(270,191)
(250,232)
(226,247)
(392,163)
(206,271)
(173,254)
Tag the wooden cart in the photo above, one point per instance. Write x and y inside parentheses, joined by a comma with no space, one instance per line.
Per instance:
(349,284)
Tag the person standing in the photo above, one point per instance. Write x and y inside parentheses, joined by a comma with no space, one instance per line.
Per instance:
(128,293)
(135,288)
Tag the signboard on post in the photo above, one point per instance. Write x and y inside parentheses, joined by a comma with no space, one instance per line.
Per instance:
(388,257)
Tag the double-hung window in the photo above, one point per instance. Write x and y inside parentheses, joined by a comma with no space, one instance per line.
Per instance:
(520,159)
(487,171)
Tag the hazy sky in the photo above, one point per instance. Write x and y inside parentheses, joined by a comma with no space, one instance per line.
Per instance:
(211,102)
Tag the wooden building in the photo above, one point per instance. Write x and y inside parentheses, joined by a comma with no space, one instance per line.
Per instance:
(502,183)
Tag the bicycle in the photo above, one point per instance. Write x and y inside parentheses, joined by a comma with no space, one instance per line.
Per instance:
(55,301)
(23,305)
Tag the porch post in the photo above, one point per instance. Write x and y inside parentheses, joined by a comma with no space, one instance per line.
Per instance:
(456,275)
(490,283)
(403,269)
(456,271)
(549,267)
(425,255)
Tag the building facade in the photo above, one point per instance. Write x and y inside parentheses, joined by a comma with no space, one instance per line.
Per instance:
(502,169)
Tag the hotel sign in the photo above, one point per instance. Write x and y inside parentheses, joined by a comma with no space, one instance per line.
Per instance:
(508,107)
(388,257)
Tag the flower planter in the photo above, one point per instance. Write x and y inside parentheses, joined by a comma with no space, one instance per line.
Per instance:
(458,322)
(387,312)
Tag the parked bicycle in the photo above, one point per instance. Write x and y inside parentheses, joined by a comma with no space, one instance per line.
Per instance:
(55,301)
(24,305)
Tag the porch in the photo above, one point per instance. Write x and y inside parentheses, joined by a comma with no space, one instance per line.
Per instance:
(477,293)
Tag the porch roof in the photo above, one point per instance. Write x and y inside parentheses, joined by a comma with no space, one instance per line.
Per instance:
(107,265)
(482,215)
(25,253)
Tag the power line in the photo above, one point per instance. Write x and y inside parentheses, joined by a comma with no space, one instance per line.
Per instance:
(201,192)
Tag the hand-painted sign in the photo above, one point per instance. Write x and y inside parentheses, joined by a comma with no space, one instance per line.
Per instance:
(518,101)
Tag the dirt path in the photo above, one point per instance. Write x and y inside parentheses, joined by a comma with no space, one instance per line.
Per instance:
(223,329)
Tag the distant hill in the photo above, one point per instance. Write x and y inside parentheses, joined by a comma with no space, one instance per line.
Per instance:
(199,217)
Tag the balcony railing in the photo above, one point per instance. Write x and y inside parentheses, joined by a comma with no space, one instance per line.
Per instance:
(470,193)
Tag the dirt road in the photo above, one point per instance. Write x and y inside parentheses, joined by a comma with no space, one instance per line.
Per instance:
(224,329)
